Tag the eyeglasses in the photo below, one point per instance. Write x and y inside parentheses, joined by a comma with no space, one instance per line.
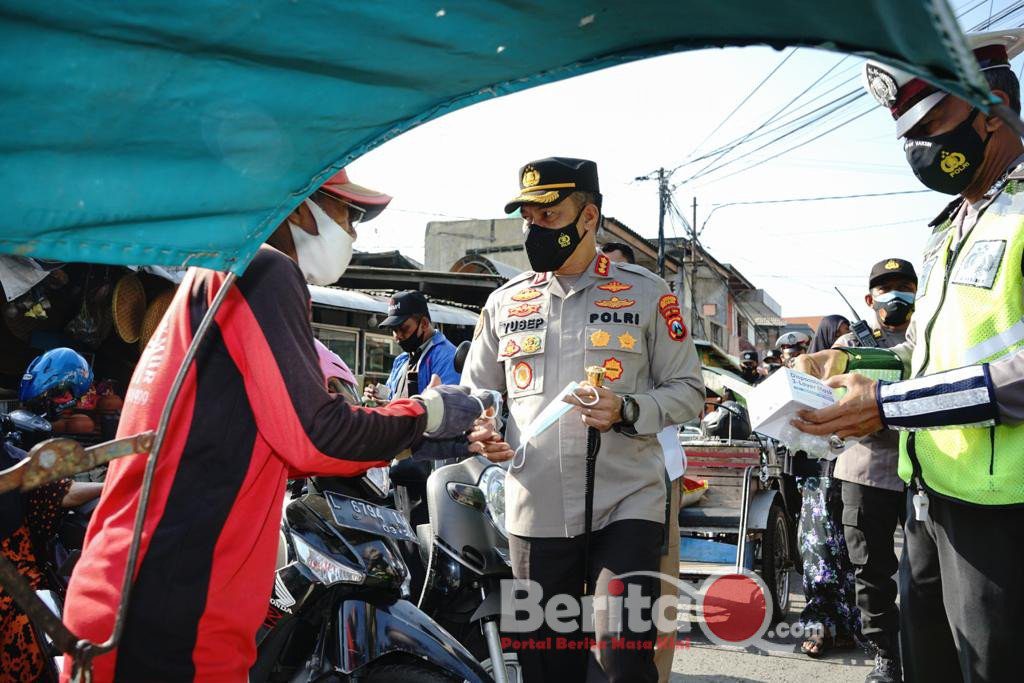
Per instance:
(355,213)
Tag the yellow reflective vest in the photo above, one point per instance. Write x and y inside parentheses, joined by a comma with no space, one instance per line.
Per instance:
(970,310)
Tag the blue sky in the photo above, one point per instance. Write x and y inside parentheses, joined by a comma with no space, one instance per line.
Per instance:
(660,112)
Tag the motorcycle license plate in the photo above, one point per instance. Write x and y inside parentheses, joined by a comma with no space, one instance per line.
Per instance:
(353,513)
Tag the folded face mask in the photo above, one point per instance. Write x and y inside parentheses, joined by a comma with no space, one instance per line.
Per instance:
(545,418)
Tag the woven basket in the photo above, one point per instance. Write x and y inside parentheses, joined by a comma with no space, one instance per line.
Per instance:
(129,307)
(154,314)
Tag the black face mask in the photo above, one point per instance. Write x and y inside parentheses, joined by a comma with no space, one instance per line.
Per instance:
(948,162)
(413,341)
(893,313)
(549,248)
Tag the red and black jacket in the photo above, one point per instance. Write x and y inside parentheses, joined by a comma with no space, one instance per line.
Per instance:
(253,411)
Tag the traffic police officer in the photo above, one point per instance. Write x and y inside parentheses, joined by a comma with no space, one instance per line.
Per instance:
(538,333)
(873,494)
(961,414)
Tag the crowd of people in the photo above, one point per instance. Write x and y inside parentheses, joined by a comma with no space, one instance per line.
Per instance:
(939,453)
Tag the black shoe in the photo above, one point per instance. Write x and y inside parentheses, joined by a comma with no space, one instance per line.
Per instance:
(887,669)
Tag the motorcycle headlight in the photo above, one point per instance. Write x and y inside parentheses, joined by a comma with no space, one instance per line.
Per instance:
(492,483)
(327,570)
(379,479)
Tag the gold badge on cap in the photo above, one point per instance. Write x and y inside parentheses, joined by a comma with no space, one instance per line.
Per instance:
(892,265)
(531,177)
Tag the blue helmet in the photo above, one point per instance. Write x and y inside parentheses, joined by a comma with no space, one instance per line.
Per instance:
(60,375)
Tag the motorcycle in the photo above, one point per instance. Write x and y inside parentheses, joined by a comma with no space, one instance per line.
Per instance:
(464,550)
(338,611)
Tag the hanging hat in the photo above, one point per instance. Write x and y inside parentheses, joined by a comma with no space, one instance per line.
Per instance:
(910,98)
(154,314)
(129,307)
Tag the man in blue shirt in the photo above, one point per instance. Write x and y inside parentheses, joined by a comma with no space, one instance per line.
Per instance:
(426,351)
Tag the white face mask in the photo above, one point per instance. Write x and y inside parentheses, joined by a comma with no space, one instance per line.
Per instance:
(322,258)
(545,418)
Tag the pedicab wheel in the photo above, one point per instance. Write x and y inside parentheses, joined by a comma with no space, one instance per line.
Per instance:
(775,563)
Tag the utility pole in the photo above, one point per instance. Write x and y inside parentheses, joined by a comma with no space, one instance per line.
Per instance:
(662,202)
(696,325)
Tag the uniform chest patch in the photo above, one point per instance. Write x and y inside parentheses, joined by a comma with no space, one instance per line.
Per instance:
(615,302)
(612,368)
(979,267)
(615,287)
(668,307)
(528,294)
(523,310)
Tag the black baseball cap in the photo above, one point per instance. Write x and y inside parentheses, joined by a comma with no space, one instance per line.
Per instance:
(748,355)
(405,304)
(891,267)
(549,181)
(773,356)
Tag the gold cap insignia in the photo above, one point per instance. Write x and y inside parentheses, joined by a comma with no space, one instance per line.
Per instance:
(892,265)
(530,177)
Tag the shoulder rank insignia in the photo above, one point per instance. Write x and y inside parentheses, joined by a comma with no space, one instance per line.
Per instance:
(511,348)
(615,302)
(615,287)
(600,338)
(523,310)
(528,294)
(602,265)
(612,369)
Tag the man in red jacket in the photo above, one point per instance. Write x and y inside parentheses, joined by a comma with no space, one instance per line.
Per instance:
(253,412)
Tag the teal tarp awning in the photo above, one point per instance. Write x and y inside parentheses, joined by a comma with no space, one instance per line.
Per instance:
(178,133)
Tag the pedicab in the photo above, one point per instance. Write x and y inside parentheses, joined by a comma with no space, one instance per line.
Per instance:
(744,521)
(148,134)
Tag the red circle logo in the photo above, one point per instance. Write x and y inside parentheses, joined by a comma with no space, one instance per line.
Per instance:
(734,607)
(616,587)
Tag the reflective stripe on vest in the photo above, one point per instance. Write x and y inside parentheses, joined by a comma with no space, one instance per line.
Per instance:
(1003,344)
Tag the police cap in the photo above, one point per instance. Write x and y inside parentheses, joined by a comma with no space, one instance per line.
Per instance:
(549,181)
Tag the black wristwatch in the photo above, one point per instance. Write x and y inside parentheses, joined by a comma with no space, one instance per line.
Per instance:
(630,411)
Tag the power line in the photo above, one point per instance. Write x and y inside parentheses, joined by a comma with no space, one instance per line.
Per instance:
(743,101)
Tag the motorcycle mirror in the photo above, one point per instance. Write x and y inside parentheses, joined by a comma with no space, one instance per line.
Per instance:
(460,356)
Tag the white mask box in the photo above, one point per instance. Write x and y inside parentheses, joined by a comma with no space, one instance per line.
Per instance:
(774,403)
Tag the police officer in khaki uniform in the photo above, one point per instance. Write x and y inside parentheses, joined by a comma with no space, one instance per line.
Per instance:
(873,493)
(537,334)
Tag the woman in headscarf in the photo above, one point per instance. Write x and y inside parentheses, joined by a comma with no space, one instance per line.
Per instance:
(831,328)
(831,614)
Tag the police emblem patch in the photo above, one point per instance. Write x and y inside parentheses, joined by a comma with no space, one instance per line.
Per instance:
(531,344)
(881,84)
(892,265)
(600,338)
(511,348)
(531,177)
(615,302)
(522,375)
(564,241)
(612,369)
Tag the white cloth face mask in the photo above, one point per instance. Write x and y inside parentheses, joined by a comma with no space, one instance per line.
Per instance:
(322,258)
(547,417)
